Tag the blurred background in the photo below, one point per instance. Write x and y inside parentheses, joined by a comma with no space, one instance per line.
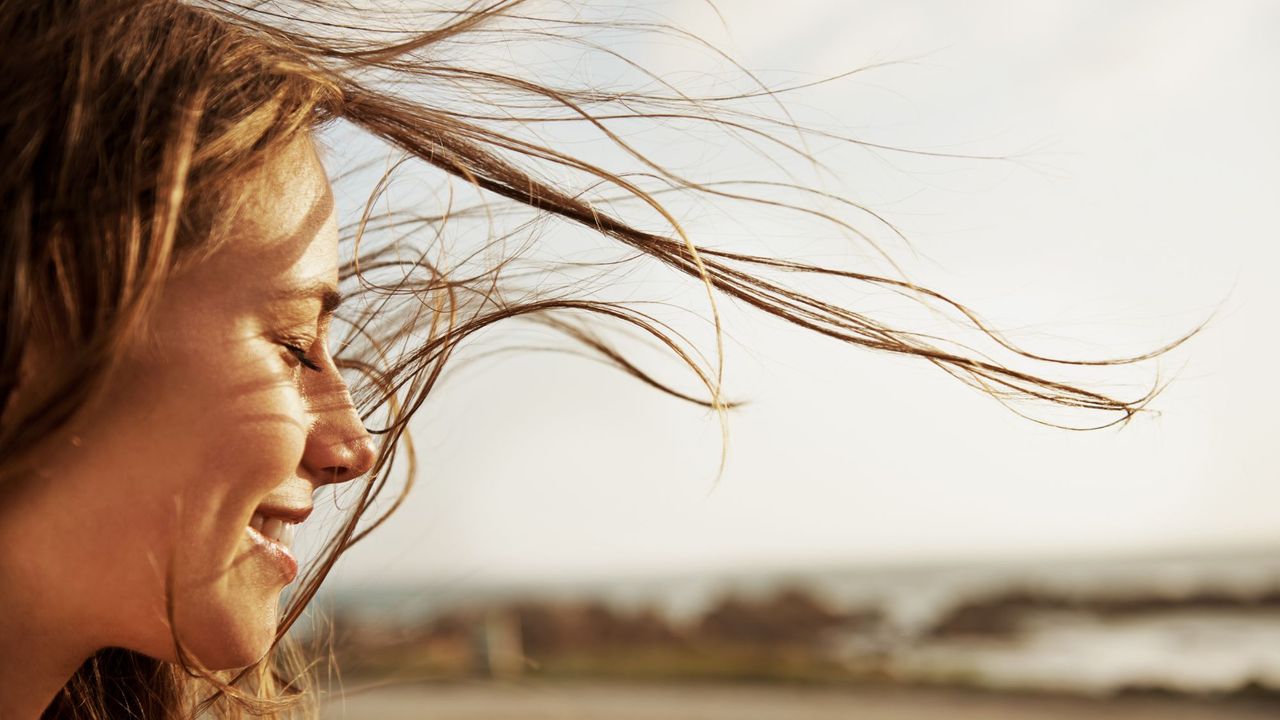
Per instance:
(884,542)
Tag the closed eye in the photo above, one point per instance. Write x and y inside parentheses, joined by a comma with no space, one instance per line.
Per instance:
(302,357)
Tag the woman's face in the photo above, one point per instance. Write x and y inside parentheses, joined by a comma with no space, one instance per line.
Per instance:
(214,435)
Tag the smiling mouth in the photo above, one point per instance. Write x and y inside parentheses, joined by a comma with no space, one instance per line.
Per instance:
(275,529)
(272,537)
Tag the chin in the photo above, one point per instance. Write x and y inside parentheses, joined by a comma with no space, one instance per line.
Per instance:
(232,631)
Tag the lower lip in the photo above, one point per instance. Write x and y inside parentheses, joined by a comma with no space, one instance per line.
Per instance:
(279,555)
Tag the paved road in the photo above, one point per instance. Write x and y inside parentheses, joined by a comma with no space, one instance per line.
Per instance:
(625,702)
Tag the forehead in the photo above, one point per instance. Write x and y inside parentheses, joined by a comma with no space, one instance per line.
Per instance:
(282,233)
(287,216)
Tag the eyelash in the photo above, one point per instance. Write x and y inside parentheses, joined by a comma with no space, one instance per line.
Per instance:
(301,355)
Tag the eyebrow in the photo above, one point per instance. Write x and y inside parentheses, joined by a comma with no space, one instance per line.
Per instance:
(321,290)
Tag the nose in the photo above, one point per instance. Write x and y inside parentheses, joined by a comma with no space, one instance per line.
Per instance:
(338,447)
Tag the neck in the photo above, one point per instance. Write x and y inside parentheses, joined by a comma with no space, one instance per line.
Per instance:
(42,641)
(37,656)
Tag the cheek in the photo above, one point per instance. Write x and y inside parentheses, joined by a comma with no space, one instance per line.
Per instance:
(245,453)
(208,442)
(227,604)
(165,473)
(230,430)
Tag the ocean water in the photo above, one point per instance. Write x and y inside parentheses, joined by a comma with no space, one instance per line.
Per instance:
(1195,652)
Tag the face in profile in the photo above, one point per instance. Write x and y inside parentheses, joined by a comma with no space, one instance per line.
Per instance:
(189,478)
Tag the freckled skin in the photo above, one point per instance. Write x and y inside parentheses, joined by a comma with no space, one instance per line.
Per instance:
(208,419)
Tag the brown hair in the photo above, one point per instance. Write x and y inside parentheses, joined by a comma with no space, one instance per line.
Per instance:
(127,126)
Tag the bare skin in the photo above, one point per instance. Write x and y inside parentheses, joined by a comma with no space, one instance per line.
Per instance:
(215,418)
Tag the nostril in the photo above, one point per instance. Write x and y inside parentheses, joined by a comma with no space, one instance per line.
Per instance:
(339,448)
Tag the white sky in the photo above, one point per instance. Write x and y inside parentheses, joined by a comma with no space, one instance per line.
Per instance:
(1150,195)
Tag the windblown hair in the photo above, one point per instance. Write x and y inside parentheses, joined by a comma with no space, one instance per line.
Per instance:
(127,127)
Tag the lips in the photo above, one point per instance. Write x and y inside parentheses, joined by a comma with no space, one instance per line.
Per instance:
(271,531)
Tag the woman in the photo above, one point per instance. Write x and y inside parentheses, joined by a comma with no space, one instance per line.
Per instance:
(177,376)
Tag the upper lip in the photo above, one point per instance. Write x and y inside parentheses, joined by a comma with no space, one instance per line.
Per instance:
(289,514)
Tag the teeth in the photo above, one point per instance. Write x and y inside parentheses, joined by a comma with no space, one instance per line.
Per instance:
(274,529)
(271,528)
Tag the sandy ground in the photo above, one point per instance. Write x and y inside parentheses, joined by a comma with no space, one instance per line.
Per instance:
(628,702)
